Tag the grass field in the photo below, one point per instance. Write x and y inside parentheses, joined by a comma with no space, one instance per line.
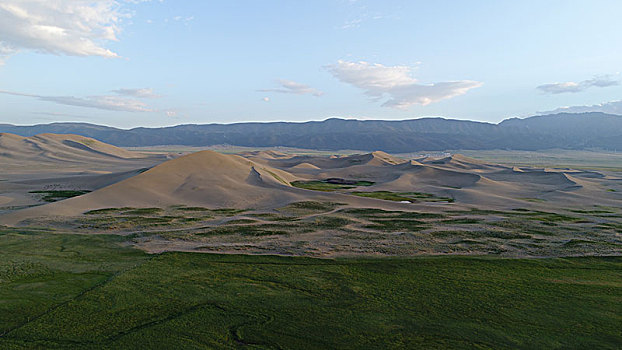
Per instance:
(95,292)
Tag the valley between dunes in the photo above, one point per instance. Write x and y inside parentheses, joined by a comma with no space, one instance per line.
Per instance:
(268,202)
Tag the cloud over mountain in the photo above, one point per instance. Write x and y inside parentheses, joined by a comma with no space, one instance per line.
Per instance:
(573,87)
(396,83)
(105,102)
(612,107)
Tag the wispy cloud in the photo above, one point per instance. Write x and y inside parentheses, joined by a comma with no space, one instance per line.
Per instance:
(292,87)
(396,83)
(612,107)
(573,87)
(105,102)
(140,93)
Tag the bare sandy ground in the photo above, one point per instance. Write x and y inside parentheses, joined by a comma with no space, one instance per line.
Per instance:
(261,182)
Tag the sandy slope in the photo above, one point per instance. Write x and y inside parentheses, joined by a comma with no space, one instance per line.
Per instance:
(62,162)
(58,148)
(205,178)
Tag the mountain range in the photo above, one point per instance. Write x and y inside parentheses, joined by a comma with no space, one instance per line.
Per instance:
(564,130)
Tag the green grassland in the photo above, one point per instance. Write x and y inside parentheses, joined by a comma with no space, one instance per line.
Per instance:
(95,292)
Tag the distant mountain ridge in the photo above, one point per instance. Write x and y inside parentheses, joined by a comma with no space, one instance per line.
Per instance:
(564,130)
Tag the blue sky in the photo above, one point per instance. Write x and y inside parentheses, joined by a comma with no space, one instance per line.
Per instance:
(156,63)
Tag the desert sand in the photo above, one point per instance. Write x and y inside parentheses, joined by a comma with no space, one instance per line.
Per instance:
(266,184)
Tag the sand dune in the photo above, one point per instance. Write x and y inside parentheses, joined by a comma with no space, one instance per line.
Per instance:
(59,148)
(66,153)
(204,178)
(305,166)
(262,180)
(333,162)
(62,162)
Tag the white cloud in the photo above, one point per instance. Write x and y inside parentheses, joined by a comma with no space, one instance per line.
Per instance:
(266,99)
(140,93)
(68,27)
(613,107)
(396,83)
(105,102)
(292,87)
(571,86)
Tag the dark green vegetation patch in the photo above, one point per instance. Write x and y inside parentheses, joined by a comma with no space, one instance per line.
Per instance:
(91,292)
(403,196)
(329,186)
(58,195)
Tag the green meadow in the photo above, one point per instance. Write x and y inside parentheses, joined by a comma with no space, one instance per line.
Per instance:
(96,292)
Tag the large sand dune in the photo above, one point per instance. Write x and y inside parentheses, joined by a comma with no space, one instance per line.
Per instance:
(58,148)
(62,162)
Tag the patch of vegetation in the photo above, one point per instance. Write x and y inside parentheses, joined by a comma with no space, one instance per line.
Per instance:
(309,207)
(481,234)
(291,227)
(396,214)
(87,291)
(611,225)
(228,211)
(191,209)
(462,221)
(58,195)
(391,225)
(107,211)
(326,223)
(240,221)
(272,217)
(403,196)
(129,222)
(329,186)
(595,211)
(547,217)
(525,227)
(143,211)
(576,242)
(534,200)
(246,230)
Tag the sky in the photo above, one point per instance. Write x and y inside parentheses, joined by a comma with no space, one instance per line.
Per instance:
(129,63)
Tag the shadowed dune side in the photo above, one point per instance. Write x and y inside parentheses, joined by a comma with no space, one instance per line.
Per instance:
(334,162)
(427,176)
(58,151)
(59,147)
(534,177)
(305,166)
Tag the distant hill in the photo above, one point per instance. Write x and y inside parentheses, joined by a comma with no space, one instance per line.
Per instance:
(565,130)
